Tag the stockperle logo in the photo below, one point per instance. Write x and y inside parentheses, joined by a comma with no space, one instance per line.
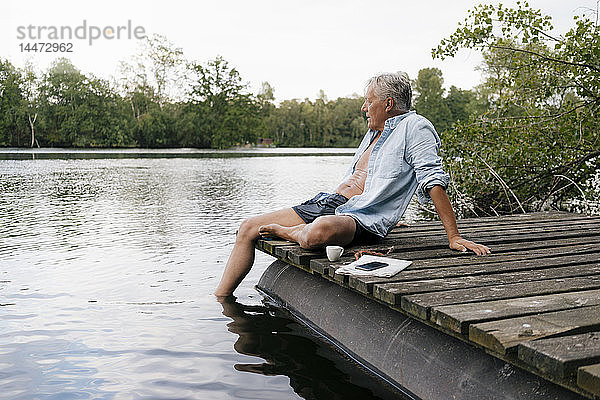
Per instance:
(90,33)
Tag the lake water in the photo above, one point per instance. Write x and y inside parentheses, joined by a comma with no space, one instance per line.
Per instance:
(108,262)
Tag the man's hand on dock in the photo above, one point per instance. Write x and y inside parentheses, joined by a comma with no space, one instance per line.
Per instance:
(460,244)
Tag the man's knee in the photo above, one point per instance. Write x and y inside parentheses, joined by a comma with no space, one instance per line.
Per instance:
(248,229)
(318,233)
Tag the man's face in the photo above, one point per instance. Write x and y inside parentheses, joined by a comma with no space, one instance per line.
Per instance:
(374,110)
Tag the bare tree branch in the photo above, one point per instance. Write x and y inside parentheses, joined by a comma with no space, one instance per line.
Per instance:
(587,205)
(504,185)
(547,58)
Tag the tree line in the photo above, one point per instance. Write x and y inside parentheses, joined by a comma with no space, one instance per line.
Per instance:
(162,100)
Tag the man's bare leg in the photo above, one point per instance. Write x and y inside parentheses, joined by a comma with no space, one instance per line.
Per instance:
(326,230)
(242,256)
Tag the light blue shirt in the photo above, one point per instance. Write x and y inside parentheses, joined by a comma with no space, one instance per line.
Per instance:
(404,160)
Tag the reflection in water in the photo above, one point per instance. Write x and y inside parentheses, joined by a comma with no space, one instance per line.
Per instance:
(314,368)
(87,154)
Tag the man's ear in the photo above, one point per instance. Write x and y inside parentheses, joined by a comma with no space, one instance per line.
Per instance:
(389,104)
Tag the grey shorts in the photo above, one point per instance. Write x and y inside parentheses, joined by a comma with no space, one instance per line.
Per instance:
(325,204)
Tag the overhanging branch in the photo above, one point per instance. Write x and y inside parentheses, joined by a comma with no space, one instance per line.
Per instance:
(548,58)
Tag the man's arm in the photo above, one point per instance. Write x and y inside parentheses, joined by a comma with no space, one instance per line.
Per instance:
(444,210)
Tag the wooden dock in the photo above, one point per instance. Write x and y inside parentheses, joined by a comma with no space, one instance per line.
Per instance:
(534,302)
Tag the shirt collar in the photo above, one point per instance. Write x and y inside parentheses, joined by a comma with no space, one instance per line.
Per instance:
(393,122)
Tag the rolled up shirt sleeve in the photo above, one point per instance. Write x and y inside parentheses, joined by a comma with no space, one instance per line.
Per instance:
(422,148)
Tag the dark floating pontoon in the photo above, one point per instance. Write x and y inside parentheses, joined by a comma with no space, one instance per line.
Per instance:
(522,323)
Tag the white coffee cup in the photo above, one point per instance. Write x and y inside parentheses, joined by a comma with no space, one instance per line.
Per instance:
(334,252)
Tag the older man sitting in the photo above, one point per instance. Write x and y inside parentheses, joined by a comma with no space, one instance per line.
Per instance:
(397,157)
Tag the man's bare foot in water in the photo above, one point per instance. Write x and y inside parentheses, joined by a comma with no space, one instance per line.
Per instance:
(284,232)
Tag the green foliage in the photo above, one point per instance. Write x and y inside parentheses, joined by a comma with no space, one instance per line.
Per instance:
(318,123)
(463,104)
(11,100)
(486,24)
(429,100)
(230,116)
(80,111)
(64,107)
(537,146)
(161,100)
(445,110)
(156,71)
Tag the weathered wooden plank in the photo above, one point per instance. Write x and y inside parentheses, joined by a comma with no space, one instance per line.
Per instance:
(470,261)
(365,284)
(441,242)
(259,245)
(434,250)
(419,305)
(509,221)
(447,285)
(435,268)
(476,223)
(497,257)
(282,251)
(441,253)
(561,356)
(270,245)
(529,219)
(320,265)
(513,218)
(588,378)
(323,266)
(498,231)
(341,279)
(458,317)
(503,336)
(302,257)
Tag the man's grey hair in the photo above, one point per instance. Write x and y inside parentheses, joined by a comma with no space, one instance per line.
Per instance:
(394,85)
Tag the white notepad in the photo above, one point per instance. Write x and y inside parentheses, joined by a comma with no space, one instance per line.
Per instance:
(392,269)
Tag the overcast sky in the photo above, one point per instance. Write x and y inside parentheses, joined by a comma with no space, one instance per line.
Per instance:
(299,47)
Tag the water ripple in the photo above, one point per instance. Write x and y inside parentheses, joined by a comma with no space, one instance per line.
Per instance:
(106,273)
